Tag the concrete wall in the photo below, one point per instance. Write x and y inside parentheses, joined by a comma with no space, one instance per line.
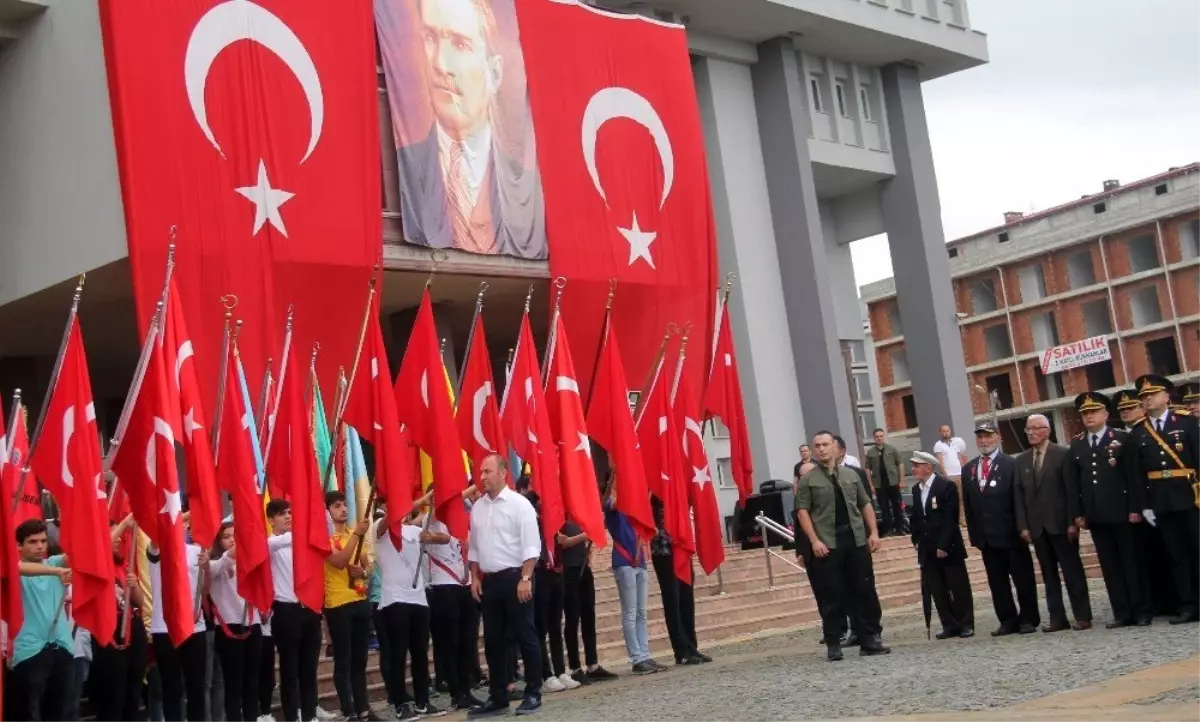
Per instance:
(60,202)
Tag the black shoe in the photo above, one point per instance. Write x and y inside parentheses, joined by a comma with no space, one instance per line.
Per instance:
(703,657)
(872,646)
(1118,623)
(833,652)
(947,634)
(530,705)
(1005,630)
(850,640)
(966,633)
(1027,629)
(1145,621)
(581,677)
(686,661)
(442,686)
(657,666)
(467,702)
(406,712)
(430,710)
(1053,627)
(644,668)
(486,709)
(1185,617)
(600,674)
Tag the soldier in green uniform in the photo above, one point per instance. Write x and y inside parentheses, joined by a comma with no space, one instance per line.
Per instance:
(1098,475)
(1166,445)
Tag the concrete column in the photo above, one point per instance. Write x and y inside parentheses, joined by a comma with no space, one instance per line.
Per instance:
(800,248)
(913,220)
(746,246)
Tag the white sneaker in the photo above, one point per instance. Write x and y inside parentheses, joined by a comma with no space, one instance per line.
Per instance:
(552,684)
(568,682)
(323,715)
(265,718)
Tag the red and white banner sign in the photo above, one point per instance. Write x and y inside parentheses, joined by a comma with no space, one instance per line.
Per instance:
(622,160)
(1073,355)
(252,128)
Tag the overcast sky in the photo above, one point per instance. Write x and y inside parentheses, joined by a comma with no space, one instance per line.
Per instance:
(1076,91)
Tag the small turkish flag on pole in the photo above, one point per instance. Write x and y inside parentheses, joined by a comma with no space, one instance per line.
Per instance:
(11,609)
(723,398)
(423,404)
(710,541)
(67,455)
(29,504)
(478,414)
(578,475)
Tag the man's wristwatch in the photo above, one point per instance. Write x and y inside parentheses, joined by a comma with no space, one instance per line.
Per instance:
(526,579)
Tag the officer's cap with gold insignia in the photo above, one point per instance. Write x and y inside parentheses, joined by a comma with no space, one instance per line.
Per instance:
(1091,401)
(1152,383)
(1127,399)
(1190,392)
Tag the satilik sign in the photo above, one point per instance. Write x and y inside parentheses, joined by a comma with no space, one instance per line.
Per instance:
(1073,355)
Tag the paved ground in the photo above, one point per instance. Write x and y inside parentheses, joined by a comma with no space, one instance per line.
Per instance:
(785,676)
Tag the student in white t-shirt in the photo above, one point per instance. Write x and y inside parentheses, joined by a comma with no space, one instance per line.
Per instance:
(238,641)
(952,452)
(182,668)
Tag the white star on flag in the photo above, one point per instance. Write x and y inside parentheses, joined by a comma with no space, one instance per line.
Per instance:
(639,242)
(584,445)
(189,423)
(266,200)
(700,476)
(171,505)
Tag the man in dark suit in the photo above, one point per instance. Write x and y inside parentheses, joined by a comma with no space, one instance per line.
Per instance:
(1166,448)
(1098,474)
(1046,516)
(940,549)
(989,488)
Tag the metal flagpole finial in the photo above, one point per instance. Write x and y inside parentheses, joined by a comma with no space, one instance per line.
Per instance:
(16,396)
(687,329)
(483,287)
(237,328)
(612,291)
(315,350)
(442,347)
(529,298)
(438,256)
(560,283)
(290,315)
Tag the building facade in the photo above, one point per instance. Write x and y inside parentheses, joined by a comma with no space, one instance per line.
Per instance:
(815,137)
(1120,268)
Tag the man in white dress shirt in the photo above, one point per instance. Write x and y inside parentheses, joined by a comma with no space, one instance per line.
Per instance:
(502,550)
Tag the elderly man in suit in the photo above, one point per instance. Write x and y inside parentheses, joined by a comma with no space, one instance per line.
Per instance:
(1046,515)
(940,549)
(989,488)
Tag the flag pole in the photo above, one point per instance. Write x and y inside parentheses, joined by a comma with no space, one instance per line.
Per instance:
(12,424)
(483,287)
(604,331)
(721,309)
(687,328)
(652,375)
(130,564)
(264,402)
(229,302)
(552,335)
(287,347)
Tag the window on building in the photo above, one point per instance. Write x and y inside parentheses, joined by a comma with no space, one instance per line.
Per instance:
(1143,306)
(1096,319)
(952,252)
(1100,375)
(1044,330)
(983,295)
(866,423)
(1143,253)
(864,102)
(995,342)
(1003,237)
(1050,386)
(894,320)
(1160,189)
(858,351)
(862,386)
(910,411)
(718,429)
(1080,271)
(725,478)
(900,366)
(839,92)
(1163,356)
(1000,394)
(814,88)
(1099,208)
(1189,239)
(1032,282)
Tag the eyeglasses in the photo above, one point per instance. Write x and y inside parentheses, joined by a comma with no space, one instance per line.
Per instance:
(1036,428)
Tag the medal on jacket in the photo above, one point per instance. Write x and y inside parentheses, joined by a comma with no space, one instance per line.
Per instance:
(933,503)
(1113,447)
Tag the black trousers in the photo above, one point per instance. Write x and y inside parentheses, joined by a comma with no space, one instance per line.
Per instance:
(848,580)
(1181,532)
(182,671)
(266,675)
(1017,564)
(297,634)
(506,618)
(385,656)
(408,637)
(679,607)
(349,629)
(548,599)
(950,587)
(455,639)
(115,677)
(1124,571)
(1056,552)
(579,604)
(890,508)
(240,669)
(1157,563)
(38,684)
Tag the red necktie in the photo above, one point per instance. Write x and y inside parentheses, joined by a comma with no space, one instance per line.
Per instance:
(987,468)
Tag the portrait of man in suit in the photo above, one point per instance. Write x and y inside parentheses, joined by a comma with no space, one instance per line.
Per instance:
(464,136)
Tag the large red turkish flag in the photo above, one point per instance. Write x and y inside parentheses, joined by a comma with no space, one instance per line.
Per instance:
(631,201)
(723,398)
(252,126)
(706,511)
(478,413)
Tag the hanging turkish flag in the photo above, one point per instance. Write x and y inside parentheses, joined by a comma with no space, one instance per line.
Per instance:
(252,128)
(292,463)
(478,414)
(706,512)
(581,495)
(723,398)
(12,610)
(28,499)
(146,469)
(67,459)
(188,422)
(238,473)
(423,404)
(610,423)
(527,423)
(632,201)
(663,455)
(371,410)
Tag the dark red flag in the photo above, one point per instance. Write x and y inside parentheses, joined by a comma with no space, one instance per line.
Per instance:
(67,460)
(423,404)
(581,496)
(632,203)
(12,610)
(610,423)
(663,454)
(292,463)
(526,422)
(723,398)
(29,505)
(478,413)
(252,128)
(238,473)
(706,512)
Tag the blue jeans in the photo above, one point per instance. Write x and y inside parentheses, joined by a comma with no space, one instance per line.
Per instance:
(632,591)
